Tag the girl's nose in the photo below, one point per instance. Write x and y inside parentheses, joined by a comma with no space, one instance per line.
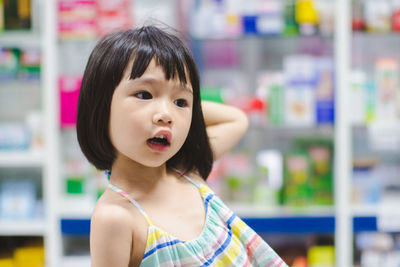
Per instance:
(163,115)
(163,118)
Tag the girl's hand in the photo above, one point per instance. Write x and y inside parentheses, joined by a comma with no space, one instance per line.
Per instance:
(225,125)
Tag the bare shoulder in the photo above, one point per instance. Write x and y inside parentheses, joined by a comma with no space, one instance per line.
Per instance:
(109,217)
(113,228)
(109,210)
(113,210)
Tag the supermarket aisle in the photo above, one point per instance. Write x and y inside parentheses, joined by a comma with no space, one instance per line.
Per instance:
(274,59)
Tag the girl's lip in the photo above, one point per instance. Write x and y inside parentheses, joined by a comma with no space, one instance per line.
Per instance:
(158,147)
(166,133)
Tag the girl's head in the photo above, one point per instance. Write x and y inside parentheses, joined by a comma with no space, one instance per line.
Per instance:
(121,62)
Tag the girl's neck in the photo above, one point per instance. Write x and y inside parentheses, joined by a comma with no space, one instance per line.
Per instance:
(133,177)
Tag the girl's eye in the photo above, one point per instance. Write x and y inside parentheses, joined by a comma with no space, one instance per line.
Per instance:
(181,103)
(143,95)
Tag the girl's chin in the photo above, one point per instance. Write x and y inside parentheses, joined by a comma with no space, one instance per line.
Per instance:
(154,164)
(147,160)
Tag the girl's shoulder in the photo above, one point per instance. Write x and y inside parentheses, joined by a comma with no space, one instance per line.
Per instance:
(109,211)
(119,223)
(114,210)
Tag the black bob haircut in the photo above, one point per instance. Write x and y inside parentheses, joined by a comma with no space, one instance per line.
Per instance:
(104,72)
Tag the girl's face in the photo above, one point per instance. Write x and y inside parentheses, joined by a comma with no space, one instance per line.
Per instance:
(150,117)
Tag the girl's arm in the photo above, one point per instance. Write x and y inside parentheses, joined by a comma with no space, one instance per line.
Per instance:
(225,124)
(110,237)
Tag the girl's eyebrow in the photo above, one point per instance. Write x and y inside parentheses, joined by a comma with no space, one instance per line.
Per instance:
(153,81)
(187,88)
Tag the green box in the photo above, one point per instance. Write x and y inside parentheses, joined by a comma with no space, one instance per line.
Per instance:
(75,185)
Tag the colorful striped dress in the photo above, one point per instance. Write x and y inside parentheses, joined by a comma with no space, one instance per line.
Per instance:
(225,240)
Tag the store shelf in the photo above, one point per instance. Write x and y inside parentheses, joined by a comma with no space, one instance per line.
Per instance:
(285,130)
(10,86)
(22,227)
(297,224)
(280,37)
(21,159)
(76,207)
(289,224)
(75,226)
(20,39)
(380,217)
(374,209)
(263,211)
(389,208)
(365,224)
(390,36)
(76,261)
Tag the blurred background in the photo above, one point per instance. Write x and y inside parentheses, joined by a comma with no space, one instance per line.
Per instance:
(318,173)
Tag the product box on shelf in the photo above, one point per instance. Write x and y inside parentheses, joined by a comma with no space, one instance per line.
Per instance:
(264,21)
(357,94)
(9,64)
(321,256)
(29,68)
(377,249)
(90,19)
(307,16)
(387,86)
(69,87)
(271,91)
(300,83)
(14,136)
(29,256)
(234,19)
(301,95)
(270,180)
(296,189)
(24,257)
(18,199)
(19,64)
(308,173)
(378,15)
(17,15)
(320,153)
(77,19)
(239,178)
(324,92)
(114,15)
(366,186)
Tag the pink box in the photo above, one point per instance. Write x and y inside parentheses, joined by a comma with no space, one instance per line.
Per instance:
(69,92)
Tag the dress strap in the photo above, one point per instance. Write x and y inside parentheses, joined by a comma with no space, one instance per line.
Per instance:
(127,196)
(187,178)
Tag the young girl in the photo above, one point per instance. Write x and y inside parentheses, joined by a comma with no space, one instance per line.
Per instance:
(140,118)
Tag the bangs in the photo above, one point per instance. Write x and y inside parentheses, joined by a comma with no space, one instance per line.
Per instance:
(167,52)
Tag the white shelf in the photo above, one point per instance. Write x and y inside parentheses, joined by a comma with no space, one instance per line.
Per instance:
(363,210)
(76,207)
(259,211)
(76,261)
(21,158)
(22,227)
(20,39)
(288,130)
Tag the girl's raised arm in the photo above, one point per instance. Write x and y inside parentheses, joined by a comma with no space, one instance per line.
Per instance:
(225,125)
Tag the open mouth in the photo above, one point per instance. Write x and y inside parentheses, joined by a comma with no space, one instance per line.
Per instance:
(159,142)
